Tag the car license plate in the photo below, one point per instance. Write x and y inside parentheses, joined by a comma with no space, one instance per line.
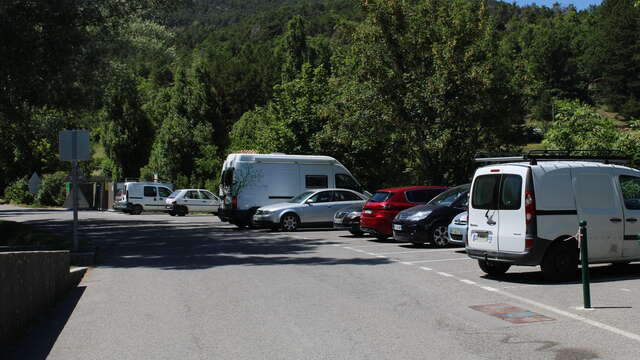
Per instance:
(368,211)
(337,221)
(481,237)
(397,227)
(456,232)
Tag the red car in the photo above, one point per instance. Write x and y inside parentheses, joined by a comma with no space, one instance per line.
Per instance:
(378,212)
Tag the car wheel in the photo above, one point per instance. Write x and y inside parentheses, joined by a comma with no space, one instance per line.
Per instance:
(136,210)
(493,268)
(289,222)
(560,263)
(356,232)
(182,210)
(439,236)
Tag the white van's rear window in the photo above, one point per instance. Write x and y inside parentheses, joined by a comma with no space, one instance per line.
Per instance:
(497,192)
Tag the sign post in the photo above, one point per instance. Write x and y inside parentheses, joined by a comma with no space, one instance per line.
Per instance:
(74,147)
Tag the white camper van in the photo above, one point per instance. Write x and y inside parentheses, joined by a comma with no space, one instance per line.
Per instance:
(135,197)
(527,213)
(250,181)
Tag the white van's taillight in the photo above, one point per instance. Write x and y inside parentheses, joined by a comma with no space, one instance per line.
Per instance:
(529,206)
(234,202)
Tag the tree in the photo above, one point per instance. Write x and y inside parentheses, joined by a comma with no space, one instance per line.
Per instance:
(580,127)
(432,65)
(126,131)
(295,48)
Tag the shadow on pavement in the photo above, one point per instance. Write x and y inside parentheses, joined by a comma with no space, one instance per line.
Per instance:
(597,273)
(39,339)
(196,244)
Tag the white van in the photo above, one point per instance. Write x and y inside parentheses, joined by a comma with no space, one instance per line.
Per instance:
(250,181)
(136,197)
(528,213)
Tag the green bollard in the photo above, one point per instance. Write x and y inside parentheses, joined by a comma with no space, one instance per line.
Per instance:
(584,258)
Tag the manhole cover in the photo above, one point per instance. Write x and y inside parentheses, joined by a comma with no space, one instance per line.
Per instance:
(511,313)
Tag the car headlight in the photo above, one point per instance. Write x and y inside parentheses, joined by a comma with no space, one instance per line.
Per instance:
(419,215)
(264,212)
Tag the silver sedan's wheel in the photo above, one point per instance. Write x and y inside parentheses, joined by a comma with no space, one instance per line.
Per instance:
(439,237)
(289,222)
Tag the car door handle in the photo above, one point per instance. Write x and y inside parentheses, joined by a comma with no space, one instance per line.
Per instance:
(632,220)
(615,220)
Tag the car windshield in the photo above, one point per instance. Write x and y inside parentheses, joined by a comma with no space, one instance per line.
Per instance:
(299,198)
(174,194)
(448,197)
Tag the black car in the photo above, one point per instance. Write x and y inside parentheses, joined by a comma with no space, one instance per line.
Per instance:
(427,224)
(349,219)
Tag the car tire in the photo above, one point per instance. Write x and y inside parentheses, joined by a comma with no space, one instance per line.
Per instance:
(289,222)
(356,232)
(560,263)
(493,268)
(438,236)
(182,211)
(136,210)
(171,212)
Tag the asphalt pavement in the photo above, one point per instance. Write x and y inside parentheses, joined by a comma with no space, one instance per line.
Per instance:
(196,288)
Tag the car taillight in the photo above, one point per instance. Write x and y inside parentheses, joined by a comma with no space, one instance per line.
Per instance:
(234,202)
(529,206)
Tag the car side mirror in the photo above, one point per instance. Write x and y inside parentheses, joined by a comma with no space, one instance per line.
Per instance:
(309,201)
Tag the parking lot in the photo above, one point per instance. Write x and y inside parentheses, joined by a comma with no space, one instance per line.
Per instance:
(193,287)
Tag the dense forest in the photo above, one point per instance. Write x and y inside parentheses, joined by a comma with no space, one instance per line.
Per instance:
(401,92)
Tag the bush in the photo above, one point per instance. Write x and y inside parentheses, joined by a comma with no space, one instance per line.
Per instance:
(52,192)
(18,192)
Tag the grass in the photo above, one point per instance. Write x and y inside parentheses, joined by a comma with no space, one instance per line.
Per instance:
(20,234)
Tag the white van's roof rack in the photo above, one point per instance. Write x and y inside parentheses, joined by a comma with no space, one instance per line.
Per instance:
(533,156)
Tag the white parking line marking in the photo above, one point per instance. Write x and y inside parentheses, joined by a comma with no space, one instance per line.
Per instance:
(372,254)
(380,256)
(597,324)
(419,251)
(468,281)
(444,274)
(627,290)
(439,260)
(379,245)
(406,263)
(425,268)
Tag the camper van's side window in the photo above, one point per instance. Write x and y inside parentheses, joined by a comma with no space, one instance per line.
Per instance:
(344,181)
(485,192)
(630,186)
(316,181)
(164,192)
(150,191)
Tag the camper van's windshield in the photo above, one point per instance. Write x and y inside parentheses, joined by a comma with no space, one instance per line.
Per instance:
(299,198)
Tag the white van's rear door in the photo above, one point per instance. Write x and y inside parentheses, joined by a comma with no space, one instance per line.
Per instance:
(483,210)
(496,210)
(598,202)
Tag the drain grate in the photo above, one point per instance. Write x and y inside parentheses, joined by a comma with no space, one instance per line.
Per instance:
(511,313)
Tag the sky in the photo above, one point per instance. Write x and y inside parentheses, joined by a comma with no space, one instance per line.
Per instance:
(579,4)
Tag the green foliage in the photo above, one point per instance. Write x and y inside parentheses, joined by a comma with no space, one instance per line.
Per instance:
(18,192)
(580,127)
(52,192)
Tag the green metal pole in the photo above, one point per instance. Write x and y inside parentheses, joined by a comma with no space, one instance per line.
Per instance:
(584,257)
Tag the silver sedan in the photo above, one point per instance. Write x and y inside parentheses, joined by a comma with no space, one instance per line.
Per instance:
(458,229)
(314,208)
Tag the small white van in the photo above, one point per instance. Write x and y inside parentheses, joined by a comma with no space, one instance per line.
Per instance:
(250,181)
(136,197)
(528,213)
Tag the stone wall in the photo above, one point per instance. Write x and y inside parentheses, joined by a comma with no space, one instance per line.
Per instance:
(30,283)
